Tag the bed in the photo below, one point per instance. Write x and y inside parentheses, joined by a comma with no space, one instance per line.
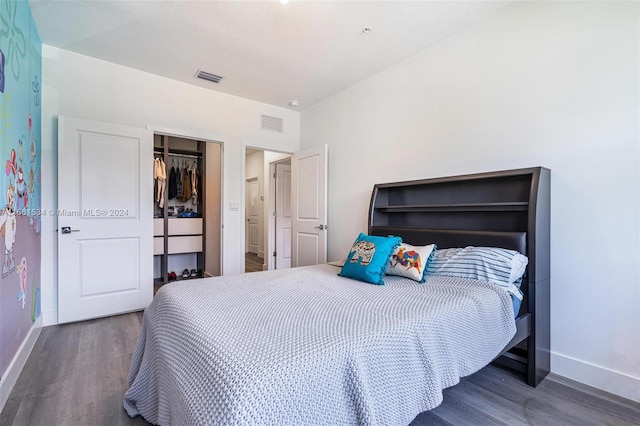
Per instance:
(306,346)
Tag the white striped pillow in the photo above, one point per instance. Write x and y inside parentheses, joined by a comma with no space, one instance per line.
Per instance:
(495,265)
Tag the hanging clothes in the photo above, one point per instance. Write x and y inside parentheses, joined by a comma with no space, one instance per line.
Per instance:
(194,183)
(156,169)
(178,182)
(173,189)
(186,184)
(200,191)
(162,179)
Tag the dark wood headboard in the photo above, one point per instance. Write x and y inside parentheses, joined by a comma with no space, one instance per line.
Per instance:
(508,209)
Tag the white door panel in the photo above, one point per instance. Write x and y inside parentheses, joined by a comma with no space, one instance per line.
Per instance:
(105,200)
(283,216)
(109,177)
(308,249)
(123,252)
(253,215)
(309,206)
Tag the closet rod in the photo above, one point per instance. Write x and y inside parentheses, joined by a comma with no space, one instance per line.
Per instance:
(184,155)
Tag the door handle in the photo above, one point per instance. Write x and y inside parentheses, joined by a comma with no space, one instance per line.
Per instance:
(68,230)
(321,227)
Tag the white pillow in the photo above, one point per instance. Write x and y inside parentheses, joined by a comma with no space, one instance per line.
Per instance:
(410,261)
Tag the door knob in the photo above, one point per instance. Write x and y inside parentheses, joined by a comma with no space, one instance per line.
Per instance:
(68,230)
(321,227)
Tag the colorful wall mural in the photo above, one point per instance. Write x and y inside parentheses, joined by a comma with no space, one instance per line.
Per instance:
(20,148)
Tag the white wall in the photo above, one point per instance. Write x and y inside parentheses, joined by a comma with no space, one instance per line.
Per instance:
(80,86)
(542,83)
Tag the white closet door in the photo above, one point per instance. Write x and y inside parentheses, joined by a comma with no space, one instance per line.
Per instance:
(105,223)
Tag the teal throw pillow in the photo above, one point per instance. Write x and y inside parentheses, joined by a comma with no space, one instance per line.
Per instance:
(368,257)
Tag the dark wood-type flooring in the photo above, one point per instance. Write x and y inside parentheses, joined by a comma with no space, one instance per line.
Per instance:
(252,263)
(76,375)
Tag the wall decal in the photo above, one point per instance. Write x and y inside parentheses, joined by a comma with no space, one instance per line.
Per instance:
(35,86)
(22,274)
(1,71)
(20,184)
(11,31)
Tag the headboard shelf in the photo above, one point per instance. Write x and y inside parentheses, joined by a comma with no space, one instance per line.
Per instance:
(508,209)
(468,207)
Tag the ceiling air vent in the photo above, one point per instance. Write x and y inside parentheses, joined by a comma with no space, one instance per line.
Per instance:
(208,76)
(272,123)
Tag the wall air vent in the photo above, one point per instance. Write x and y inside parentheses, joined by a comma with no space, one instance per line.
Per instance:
(272,123)
(208,76)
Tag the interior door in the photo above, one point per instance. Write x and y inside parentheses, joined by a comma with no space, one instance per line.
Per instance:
(309,201)
(253,215)
(283,216)
(105,228)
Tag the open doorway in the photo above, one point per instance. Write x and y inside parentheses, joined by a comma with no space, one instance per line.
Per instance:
(267,210)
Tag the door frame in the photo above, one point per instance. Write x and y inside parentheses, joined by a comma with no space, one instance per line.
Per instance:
(269,201)
(209,138)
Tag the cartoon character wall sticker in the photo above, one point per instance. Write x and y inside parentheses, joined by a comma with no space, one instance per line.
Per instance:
(22,274)
(21,191)
(33,148)
(35,300)
(8,231)
(21,186)
(35,87)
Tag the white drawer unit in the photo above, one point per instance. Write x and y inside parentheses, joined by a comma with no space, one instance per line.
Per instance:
(158,227)
(186,244)
(158,246)
(185,226)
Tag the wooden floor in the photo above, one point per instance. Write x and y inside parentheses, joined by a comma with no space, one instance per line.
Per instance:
(76,375)
(252,263)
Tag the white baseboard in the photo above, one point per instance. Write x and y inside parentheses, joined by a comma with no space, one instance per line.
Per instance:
(611,381)
(10,376)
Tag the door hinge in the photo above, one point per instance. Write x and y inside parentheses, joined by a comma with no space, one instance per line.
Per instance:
(275,176)
(275,214)
(274,254)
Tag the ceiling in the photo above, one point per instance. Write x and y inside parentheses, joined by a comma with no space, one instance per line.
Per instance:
(265,50)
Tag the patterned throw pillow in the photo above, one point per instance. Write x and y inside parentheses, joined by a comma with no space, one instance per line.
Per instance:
(367,259)
(495,265)
(410,261)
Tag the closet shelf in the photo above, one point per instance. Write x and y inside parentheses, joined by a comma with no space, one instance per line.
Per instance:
(193,154)
(473,207)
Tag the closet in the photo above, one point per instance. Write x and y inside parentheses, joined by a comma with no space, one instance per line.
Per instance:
(187,209)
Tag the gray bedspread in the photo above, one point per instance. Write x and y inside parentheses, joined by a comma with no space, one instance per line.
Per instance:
(305,346)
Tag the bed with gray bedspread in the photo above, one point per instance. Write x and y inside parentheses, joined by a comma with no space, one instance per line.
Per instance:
(305,346)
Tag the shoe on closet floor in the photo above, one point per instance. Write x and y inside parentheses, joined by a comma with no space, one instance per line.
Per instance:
(185,273)
(194,273)
(172,276)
